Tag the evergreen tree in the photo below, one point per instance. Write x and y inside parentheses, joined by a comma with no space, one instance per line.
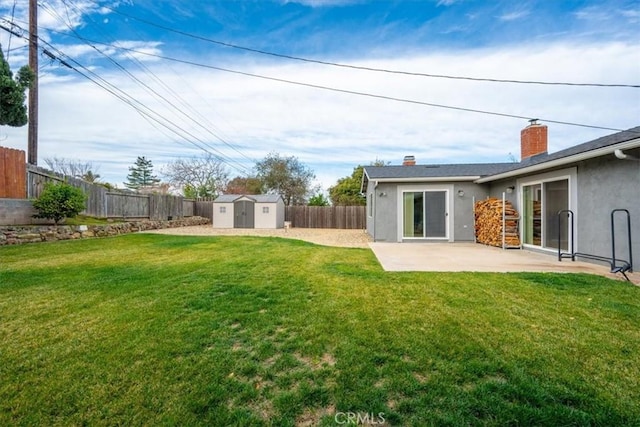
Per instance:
(141,174)
(13,111)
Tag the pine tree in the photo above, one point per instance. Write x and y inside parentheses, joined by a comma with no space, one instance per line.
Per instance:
(141,174)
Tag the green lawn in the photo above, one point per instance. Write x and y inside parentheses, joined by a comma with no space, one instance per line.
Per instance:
(160,330)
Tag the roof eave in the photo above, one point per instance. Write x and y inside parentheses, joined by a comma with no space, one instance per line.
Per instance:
(365,178)
(599,152)
(429,179)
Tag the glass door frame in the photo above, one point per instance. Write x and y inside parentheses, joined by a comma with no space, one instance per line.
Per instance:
(448,191)
(570,175)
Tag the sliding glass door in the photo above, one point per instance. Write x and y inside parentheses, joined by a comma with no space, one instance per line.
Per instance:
(424,214)
(541,203)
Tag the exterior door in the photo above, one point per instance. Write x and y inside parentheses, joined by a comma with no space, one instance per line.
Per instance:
(435,214)
(244,215)
(541,204)
(425,214)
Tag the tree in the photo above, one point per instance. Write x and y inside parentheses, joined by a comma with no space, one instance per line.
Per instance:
(285,176)
(73,168)
(141,174)
(318,200)
(346,192)
(198,176)
(244,185)
(90,177)
(13,110)
(59,201)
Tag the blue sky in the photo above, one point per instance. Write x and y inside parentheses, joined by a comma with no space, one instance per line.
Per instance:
(191,108)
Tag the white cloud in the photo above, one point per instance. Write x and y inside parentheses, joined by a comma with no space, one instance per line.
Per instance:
(333,132)
(514,16)
(446,2)
(632,15)
(593,13)
(324,3)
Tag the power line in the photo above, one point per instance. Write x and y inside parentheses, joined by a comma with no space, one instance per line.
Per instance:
(145,112)
(184,103)
(142,109)
(220,155)
(365,94)
(358,67)
(13,14)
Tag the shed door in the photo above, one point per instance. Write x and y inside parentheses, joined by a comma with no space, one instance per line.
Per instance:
(244,214)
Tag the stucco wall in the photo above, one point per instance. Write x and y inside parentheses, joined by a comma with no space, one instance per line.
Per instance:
(463,209)
(223,220)
(386,208)
(605,184)
(499,187)
(384,229)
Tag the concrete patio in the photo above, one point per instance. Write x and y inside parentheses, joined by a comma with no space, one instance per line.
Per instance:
(479,258)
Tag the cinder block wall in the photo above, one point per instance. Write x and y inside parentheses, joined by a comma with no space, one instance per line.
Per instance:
(19,212)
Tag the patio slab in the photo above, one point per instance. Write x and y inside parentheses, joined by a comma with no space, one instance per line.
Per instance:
(474,257)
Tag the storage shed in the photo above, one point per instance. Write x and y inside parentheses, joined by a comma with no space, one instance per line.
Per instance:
(248,211)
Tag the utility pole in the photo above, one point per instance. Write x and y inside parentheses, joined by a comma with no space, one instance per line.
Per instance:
(32,135)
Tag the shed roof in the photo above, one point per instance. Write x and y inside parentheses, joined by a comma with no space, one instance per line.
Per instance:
(258,198)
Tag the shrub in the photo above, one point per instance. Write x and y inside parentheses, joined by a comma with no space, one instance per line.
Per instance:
(59,201)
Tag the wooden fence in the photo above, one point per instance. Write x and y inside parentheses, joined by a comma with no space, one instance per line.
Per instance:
(105,203)
(342,217)
(20,181)
(96,206)
(12,174)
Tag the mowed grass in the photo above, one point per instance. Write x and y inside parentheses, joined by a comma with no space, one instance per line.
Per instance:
(163,330)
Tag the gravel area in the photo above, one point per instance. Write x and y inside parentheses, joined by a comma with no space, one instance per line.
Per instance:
(320,236)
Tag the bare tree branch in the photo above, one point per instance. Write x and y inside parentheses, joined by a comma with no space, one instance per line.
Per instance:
(198,176)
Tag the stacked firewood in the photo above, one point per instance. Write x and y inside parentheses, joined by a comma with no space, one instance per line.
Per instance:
(489,223)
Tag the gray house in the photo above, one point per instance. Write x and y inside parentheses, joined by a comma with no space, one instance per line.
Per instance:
(248,211)
(425,203)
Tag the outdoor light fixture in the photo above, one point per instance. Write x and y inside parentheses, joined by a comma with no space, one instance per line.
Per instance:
(510,189)
(382,194)
(460,193)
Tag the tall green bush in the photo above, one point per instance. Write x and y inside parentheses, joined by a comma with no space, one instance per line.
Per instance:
(59,201)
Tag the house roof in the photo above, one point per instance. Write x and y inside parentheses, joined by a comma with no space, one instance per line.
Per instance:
(466,172)
(258,198)
(603,146)
(486,172)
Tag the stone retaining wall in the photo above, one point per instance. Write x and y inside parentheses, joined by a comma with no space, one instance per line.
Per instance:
(14,235)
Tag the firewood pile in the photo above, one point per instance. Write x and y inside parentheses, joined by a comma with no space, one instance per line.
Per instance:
(489,223)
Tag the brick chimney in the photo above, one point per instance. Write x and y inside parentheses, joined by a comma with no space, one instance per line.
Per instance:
(533,140)
(409,161)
